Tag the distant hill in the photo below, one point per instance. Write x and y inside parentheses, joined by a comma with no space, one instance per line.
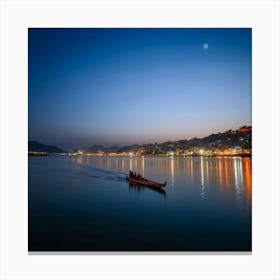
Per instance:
(99,148)
(34,146)
(240,138)
(228,139)
(96,149)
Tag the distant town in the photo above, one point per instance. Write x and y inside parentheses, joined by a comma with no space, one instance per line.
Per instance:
(229,143)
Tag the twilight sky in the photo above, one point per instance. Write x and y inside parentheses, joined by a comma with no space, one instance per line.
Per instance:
(125,86)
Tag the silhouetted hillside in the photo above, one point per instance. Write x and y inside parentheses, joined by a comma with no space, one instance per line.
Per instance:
(240,138)
(96,149)
(34,146)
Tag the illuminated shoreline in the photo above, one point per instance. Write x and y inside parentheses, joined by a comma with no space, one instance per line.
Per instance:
(139,155)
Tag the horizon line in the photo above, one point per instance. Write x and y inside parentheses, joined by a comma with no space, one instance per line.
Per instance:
(148,143)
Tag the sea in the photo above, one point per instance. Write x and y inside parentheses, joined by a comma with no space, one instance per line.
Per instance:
(85,204)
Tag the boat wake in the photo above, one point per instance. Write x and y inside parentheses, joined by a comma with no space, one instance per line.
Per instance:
(102,174)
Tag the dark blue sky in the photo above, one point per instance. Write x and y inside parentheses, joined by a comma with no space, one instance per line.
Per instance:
(125,86)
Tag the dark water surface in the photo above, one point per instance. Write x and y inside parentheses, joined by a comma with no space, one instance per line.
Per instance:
(85,204)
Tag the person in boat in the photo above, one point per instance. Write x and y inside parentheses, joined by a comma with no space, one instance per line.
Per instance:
(141,178)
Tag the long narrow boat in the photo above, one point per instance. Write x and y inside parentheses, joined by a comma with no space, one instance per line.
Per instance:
(147,183)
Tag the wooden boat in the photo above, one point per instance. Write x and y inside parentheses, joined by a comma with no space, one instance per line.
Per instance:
(139,188)
(147,183)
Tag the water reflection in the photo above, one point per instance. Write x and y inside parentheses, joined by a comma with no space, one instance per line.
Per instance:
(130,163)
(88,200)
(213,175)
(172,171)
(238,179)
(143,166)
(202,193)
(247,167)
(139,189)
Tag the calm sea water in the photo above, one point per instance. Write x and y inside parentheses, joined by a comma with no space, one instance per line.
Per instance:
(85,204)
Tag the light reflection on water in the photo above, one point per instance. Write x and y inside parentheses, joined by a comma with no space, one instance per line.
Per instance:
(85,203)
(226,173)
